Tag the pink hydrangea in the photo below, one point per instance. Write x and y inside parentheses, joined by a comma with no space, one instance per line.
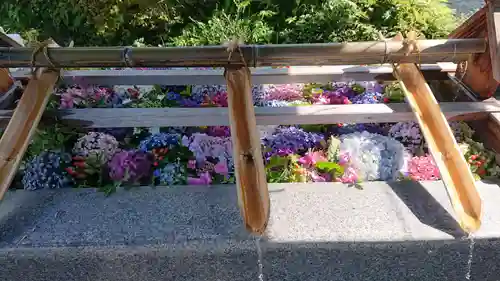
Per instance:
(204,179)
(284,92)
(349,176)
(311,158)
(423,168)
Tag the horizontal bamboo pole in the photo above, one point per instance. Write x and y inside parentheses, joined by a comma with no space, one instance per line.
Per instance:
(431,51)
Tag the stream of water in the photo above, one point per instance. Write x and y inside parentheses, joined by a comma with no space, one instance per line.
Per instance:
(472,243)
(259,259)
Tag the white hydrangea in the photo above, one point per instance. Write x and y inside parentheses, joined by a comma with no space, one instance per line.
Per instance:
(375,157)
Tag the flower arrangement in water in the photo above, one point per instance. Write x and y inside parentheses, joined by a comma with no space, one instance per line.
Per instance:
(347,153)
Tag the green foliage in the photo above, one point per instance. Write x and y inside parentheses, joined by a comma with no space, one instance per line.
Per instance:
(203,22)
(223,27)
(53,137)
(354,20)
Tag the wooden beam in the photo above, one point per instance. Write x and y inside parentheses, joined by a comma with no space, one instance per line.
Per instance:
(301,115)
(293,74)
(22,126)
(453,168)
(475,71)
(251,179)
(493,20)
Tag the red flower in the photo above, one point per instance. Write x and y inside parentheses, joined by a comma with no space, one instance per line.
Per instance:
(70,171)
(155,164)
(386,100)
(79,164)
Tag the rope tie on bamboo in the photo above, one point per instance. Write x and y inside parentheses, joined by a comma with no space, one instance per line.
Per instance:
(386,47)
(234,46)
(42,48)
(410,44)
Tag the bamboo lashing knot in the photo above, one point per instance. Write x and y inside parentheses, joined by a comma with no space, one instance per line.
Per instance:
(234,46)
(410,45)
(127,51)
(43,48)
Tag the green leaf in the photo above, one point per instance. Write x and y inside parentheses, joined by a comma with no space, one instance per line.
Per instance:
(277,161)
(328,166)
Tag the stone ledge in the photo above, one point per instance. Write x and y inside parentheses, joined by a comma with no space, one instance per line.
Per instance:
(387,231)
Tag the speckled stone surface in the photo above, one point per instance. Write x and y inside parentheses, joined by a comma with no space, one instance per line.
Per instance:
(386,231)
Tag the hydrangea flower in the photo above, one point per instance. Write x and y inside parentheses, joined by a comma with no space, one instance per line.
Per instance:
(219,131)
(130,166)
(291,139)
(160,140)
(91,96)
(96,143)
(198,92)
(171,174)
(423,168)
(368,98)
(373,156)
(132,91)
(283,92)
(47,170)
(409,134)
(204,146)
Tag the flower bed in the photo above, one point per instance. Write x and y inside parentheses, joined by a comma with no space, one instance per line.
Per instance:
(349,153)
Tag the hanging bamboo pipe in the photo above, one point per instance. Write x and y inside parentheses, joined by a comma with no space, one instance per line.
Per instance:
(251,180)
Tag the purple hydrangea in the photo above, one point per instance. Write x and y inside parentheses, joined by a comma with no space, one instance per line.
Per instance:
(130,166)
(219,131)
(291,139)
(47,170)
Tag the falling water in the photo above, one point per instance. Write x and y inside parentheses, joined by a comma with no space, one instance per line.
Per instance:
(471,255)
(259,260)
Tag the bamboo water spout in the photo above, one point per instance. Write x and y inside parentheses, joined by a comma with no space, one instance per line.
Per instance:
(453,168)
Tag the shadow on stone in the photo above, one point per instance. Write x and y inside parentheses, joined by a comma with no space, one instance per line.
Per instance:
(426,208)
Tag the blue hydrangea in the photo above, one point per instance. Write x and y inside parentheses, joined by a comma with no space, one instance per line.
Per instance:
(171,174)
(291,139)
(173,96)
(368,98)
(160,140)
(46,170)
